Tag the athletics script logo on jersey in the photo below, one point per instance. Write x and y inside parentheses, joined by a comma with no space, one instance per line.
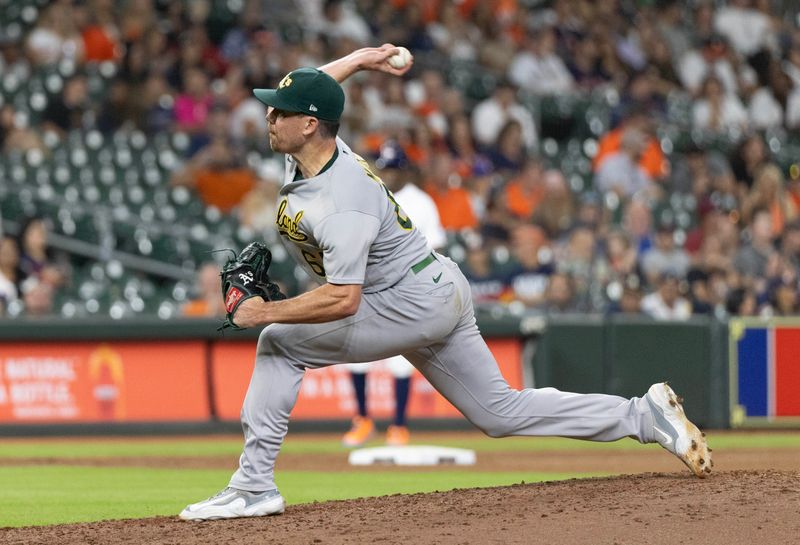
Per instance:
(290,226)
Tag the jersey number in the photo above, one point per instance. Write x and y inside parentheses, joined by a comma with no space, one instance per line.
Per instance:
(404,221)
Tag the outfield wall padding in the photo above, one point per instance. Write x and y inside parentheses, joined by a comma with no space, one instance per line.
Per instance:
(625,355)
(617,355)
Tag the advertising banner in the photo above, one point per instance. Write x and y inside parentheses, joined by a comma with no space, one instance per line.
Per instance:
(103,382)
(327,393)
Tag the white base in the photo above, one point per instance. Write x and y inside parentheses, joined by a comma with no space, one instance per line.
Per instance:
(416,455)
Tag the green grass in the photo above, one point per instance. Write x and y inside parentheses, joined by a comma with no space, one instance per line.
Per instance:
(62,494)
(298,444)
(52,494)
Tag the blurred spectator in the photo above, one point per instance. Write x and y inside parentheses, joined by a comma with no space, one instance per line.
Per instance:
(482,185)
(537,68)
(621,171)
(592,213)
(699,293)
(793,109)
(714,58)
(630,298)
(526,191)
(638,223)
(721,282)
(746,28)
(652,159)
(119,109)
(99,31)
(765,105)
(486,284)
(556,213)
(55,37)
(716,111)
(70,109)
(604,34)
(137,17)
(338,20)
(791,64)
(691,173)
(452,200)
(9,271)
(35,260)
(715,241)
(207,301)
(768,193)
(790,244)
(247,122)
(657,82)
(664,256)
(725,192)
(666,302)
(508,153)
(453,35)
(782,299)
(645,90)
(397,173)
(391,111)
(15,134)
(463,146)
(621,259)
(560,295)
(37,297)
(751,260)
(577,260)
(585,65)
(498,43)
(356,119)
(491,115)
(531,250)
(430,99)
(258,208)
(672,27)
(747,158)
(13,61)
(742,302)
(194,104)
(219,175)
(155,105)
(415,27)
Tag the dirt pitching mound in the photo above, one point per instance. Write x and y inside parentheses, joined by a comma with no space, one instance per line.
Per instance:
(736,507)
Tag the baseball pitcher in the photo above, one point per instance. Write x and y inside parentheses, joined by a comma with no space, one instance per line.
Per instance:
(382,292)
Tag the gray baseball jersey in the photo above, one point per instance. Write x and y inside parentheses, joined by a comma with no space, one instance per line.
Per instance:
(345,227)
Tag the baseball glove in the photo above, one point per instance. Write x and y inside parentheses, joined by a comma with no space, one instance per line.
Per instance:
(245,276)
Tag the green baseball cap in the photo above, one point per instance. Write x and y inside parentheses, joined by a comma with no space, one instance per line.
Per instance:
(307,91)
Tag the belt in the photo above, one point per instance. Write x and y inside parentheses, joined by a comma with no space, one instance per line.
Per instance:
(430,258)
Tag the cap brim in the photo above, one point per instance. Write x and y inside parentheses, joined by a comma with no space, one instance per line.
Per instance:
(270,98)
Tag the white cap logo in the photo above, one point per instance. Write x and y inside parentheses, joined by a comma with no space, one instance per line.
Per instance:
(312,108)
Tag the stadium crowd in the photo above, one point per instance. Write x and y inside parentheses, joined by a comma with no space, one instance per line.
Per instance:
(522,229)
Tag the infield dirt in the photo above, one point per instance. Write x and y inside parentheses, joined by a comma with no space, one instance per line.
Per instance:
(730,507)
(753,497)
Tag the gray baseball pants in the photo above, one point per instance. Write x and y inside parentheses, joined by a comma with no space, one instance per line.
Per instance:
(428,318)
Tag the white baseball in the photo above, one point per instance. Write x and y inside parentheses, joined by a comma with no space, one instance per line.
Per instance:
(400,59)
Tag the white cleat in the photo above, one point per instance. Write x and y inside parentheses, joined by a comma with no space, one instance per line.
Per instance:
(234,503)
(675,432)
